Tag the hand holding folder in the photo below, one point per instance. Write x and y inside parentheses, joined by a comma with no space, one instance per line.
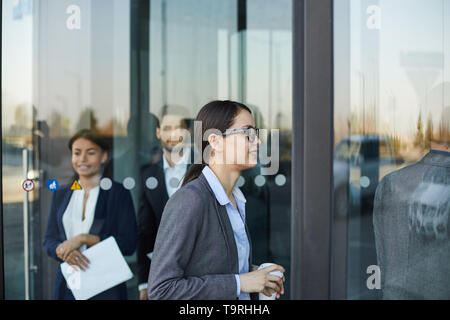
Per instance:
(107,269)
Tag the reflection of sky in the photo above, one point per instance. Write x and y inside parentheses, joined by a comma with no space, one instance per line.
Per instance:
(90,67)
(409,27)
(16,60)
(202,56)
(73,69)
(95,62)
(414,27)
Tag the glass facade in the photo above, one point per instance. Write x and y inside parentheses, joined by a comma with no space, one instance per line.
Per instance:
(111,66)
(391,107)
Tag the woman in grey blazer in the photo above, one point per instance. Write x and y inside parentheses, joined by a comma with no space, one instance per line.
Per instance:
(203,249)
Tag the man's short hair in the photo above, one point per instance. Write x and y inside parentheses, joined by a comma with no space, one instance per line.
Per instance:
(175,110)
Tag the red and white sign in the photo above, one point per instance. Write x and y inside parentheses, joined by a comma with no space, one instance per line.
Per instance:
(28,185)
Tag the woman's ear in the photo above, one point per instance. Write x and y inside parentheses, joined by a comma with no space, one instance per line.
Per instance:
(104,157)
(216,142)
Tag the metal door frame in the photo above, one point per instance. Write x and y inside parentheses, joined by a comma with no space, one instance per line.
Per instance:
(312,149)
(2,270)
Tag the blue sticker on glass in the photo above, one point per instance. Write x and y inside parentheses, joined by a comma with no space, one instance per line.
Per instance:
(52,185)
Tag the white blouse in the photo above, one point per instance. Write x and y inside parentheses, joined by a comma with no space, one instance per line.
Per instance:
(72,217)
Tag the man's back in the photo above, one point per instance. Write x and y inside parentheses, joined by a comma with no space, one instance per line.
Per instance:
(411,223)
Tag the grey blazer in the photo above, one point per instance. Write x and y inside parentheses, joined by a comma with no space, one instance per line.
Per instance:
(411,223)
(195,254)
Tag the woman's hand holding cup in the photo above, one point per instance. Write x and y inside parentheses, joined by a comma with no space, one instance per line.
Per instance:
(267,280)
(274,276)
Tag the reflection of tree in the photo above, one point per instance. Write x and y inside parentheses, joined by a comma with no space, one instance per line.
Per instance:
(441,135)
(419,139)
(18,133)
(120,129)
(59,126)
(281,121)
(21,120)
(257,115)
(364,121)
(443,132)
(429,132)
(436,131)
(108,129)
(87,120)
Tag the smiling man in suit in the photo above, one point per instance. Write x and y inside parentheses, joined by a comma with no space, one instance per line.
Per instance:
(159,180)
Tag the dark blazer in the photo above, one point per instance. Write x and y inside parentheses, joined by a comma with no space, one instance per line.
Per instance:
(412,230)
(151,206)
(114,216)
(195,254)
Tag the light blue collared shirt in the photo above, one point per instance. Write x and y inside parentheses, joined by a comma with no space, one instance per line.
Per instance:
(237,219)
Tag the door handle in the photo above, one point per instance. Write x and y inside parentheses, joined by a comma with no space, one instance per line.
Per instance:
(25,228)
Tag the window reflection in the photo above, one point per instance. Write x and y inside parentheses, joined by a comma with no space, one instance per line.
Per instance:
(391,105)
(110,66)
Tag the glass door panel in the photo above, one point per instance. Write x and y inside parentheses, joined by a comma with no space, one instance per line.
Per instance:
(110,66)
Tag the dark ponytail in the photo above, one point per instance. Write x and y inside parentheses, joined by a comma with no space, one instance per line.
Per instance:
(218,115)
(194,171)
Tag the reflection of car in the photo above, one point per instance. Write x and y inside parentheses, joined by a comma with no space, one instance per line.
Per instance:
(429,209)
(359,162)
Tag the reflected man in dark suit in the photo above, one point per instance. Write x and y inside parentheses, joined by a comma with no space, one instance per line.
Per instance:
(159,180)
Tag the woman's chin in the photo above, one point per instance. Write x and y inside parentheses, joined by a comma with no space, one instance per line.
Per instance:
(248,165)
(86,175)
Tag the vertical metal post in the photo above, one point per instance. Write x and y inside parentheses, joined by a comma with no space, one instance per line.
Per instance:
(26,256)
(312,148)
(139,64)
(164,51)
(242,50)
(2,272)
(298,8)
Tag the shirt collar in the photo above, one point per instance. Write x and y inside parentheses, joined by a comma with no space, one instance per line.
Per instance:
(91,191)
(185,159)
(444,153)
(437,158)
(218,189)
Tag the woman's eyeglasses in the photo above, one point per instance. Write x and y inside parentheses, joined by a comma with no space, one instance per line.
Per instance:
(251,133)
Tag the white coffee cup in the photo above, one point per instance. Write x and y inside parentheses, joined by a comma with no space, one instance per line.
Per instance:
(277,273)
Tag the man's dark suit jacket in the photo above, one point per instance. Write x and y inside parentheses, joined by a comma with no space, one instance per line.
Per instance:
(151,207)
(114,216)
(411,223)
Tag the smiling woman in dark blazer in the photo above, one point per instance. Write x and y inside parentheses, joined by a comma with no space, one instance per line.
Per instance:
(81,218)
(203,248)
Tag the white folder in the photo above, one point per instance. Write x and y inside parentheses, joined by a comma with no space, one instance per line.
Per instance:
(107,268)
